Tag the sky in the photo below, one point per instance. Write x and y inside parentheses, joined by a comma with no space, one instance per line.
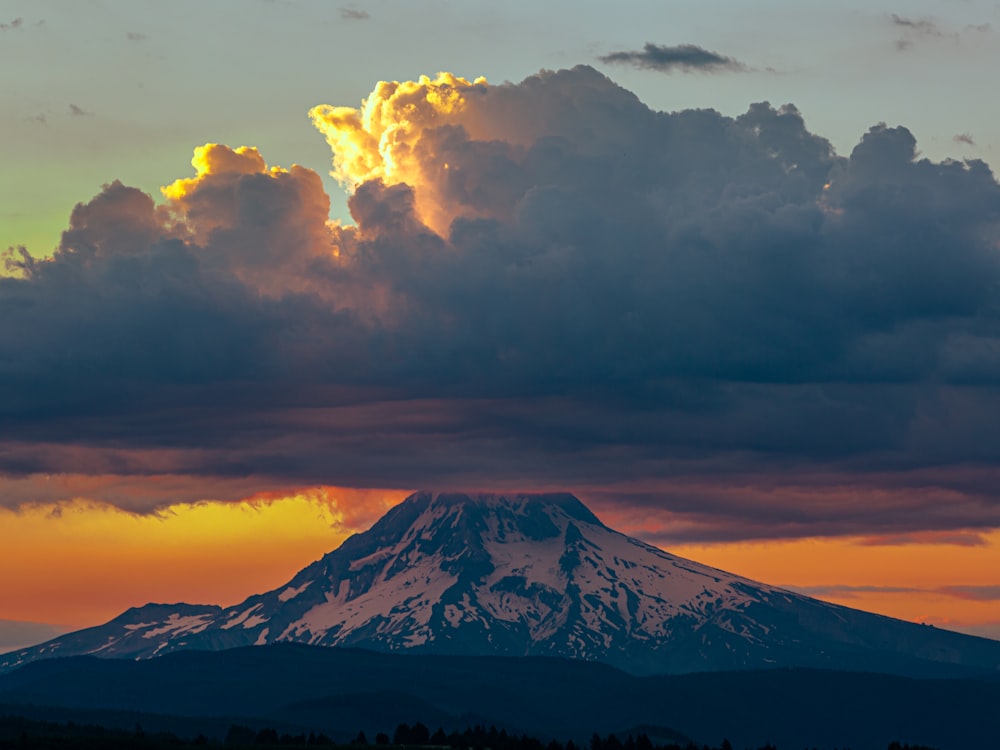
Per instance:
(726,271)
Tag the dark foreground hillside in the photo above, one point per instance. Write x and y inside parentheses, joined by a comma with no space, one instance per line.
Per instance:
(338,692)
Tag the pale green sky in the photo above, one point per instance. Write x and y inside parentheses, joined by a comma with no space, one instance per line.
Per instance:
(97,90)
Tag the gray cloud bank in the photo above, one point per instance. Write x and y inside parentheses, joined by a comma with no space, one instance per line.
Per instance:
(714,319)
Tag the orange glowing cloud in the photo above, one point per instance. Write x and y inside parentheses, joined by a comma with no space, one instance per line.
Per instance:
(376,141)
(395,137)
(216,159)
(254,218)
(469,149)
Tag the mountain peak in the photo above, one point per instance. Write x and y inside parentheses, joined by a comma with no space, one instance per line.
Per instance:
(530,574)
(516,502)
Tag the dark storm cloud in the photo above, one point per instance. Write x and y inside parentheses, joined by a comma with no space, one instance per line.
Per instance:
(896,508)
(688,58)
(776,340)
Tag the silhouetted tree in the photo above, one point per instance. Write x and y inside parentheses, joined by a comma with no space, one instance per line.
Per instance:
(238,735)
(419,734)
(266,736)
(381,738)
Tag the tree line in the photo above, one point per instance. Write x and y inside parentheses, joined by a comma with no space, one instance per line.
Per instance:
(27,734)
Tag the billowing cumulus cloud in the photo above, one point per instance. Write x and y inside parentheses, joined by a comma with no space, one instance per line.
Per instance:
(717,322)
(687,58)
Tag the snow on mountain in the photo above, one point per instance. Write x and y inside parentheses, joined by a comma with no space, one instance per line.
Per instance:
(530,575)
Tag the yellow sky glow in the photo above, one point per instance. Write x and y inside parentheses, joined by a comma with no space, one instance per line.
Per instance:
(82,563)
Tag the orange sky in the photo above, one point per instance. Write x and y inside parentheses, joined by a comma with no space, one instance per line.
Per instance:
(81,563)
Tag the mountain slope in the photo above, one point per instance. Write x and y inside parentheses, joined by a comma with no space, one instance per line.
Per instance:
(533,575)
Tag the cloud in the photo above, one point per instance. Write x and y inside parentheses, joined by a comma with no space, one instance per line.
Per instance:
(904,508)
(838,591)
(974,593)
(965,139)
(925,26)
(718,322)
(688,58)
(135,36)
(956,537)
(914,30)
(76,111)
(14,25)
(843,591)
(351,13)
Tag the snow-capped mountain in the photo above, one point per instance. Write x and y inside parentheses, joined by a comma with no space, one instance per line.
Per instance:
(531,575)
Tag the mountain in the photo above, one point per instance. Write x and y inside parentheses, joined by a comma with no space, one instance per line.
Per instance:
(536,575)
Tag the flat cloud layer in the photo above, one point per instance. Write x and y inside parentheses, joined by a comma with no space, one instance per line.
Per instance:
(689,58)
(717,320)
